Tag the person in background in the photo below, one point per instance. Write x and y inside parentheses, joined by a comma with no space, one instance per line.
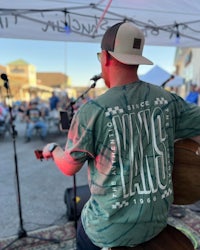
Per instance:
(3,112)
(54,104)
(53,101)
(35,120)
(193,95)
(22,110)
(126,136)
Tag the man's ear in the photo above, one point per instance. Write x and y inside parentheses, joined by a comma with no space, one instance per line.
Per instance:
(106,57)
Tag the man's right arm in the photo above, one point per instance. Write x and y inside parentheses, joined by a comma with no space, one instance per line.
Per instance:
(63,160)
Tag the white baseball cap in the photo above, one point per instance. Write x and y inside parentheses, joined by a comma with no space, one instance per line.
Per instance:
(125,43)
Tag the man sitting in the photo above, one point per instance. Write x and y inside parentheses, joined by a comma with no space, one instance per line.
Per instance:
(34,120)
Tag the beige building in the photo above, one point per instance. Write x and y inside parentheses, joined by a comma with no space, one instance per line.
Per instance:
(22,70)
(187,64)
(26,83)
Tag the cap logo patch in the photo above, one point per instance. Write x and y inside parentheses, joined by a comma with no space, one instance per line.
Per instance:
(137,43)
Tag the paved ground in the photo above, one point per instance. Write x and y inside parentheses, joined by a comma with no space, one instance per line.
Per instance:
(42,185)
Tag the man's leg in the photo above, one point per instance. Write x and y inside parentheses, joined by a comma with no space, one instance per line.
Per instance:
(44,127)
(29,131)
(82,240)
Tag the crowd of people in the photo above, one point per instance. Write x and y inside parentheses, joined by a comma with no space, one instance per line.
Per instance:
(41,115)
(38,115)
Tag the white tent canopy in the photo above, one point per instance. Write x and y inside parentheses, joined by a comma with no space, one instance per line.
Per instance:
(163,22)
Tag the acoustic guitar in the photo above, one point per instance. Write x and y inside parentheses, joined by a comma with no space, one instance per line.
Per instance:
(186,182)
(186,172)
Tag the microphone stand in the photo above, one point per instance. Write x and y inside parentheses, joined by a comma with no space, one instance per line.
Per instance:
(71,105)
(21,232)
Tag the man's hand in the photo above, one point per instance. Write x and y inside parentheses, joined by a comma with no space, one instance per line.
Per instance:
(48,150)
(197,139)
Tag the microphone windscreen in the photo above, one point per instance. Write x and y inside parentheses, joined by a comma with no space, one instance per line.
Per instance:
(96,77)
(4,77)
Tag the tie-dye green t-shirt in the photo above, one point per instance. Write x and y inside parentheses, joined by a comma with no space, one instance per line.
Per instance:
(127,136)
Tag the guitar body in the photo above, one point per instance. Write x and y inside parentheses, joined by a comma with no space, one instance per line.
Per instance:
(186,172)
(169,239)
(186,182)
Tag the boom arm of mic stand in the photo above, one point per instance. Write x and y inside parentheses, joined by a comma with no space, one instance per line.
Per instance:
(82,95)
(93,85)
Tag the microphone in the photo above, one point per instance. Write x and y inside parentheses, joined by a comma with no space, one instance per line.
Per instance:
(4,77)
(96,78)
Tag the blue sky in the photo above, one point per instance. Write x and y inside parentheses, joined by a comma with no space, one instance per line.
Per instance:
(77,60)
